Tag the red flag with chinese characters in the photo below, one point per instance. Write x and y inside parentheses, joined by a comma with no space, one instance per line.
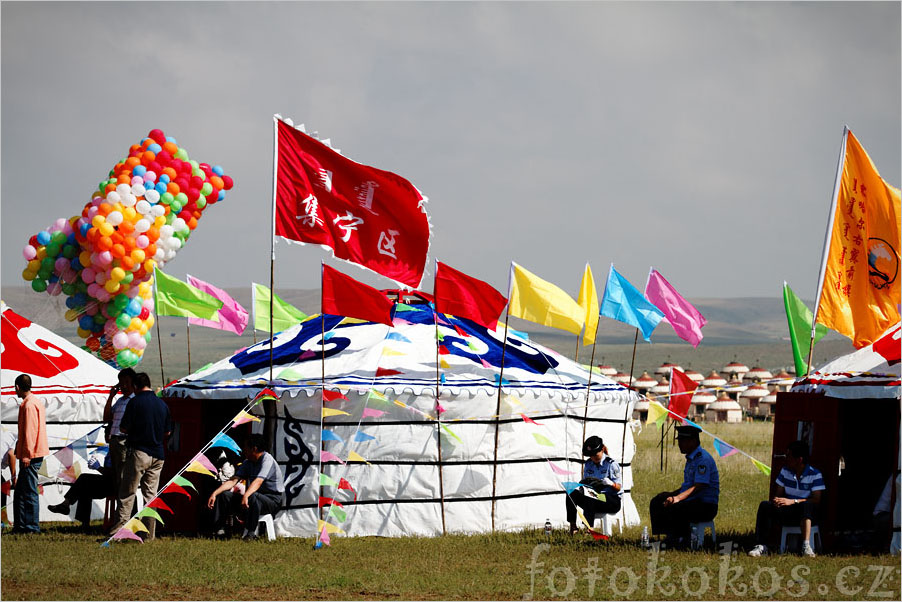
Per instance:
(681,390)
(458,294)
(367,216)
(344,296)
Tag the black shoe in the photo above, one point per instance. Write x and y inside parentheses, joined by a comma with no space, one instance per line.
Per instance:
(61,508)
(249,537)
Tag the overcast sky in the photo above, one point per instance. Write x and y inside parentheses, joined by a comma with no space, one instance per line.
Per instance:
(699,138)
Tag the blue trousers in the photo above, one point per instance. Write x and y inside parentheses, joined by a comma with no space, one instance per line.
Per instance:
(26,504)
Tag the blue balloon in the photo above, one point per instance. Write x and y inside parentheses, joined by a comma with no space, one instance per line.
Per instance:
(75,264)
(217,170)
(71,238)
(160,187)
(43,237)
(140,170)
(221,196)
(154,148)
(70,303)
(97,328)
(164,178)
(171,139)
(80,299)
(134,307)
(87,322)
(85,228)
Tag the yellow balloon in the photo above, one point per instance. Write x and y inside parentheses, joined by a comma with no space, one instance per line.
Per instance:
(71,314)
(130,214)
(34,265)
(117,274)
(149,265)
(138,256)
(160,221)
(42,253)
(139,352)
(111,286)
(106,229)
(84,258)
(28,275)
(83,333)
(135,324)
(143,330)
(98,220)
(149,321)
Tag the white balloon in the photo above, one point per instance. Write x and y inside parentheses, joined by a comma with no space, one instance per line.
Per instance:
(138,190)
(113,197)
(129,200)
(123,189)
(142,225)
(152,196)
(160,255)
(174,243)
(159,210)
(115,218)
(166,231)
(179,225)
(142,207)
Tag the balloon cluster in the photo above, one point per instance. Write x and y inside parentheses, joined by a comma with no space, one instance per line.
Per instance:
(103,259)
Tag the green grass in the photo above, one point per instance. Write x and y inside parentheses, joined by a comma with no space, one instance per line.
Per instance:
(62,564)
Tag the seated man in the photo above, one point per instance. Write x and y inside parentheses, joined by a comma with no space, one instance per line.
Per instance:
(799,487)
(87,488)
(696,500)
(262,495)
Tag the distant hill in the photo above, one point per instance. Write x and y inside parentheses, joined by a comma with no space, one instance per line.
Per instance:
(749,329)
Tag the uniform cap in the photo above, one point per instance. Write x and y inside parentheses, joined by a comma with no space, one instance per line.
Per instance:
(688,432)
(592,446)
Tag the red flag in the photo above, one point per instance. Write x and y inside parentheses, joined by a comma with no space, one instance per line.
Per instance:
(176,488)
(159,504)
(367,216)
(466,297)
(681,390)
(344,296)
(333,395)
(325,501)
(344,484)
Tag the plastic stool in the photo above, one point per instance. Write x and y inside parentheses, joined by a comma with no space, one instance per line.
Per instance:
(789,530)
(607,523)
(266,521)
(701,529)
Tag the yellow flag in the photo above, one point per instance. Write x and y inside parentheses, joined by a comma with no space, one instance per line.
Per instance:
(656,413)
(330,528)
(764,468)
(355,457)
(544,303)
(588,300)
(200,468)
(134,525)
(860,292)
(333,412)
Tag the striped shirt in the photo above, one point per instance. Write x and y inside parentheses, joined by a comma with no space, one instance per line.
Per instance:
(799,488)
(118,411)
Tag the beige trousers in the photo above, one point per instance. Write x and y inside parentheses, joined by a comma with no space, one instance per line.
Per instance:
(144,470)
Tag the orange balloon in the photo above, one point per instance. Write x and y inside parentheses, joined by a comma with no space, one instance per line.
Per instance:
(127,263)
(104,209)
(150,250)
(93,233)
(110,187)
(147,157)
(117,238)
(192,223)
(129,244)
(124,178)
(173,188)
(153,233)
(197,214)
(217,182)
(170,147)
(126,227)
(132,162)
(104,243)
(118,251)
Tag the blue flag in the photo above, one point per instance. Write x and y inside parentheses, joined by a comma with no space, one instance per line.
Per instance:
(331,436)
(361,436)
(624,303)
(223,440)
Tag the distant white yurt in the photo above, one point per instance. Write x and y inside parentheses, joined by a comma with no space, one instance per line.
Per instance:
(724,409)
(481,467)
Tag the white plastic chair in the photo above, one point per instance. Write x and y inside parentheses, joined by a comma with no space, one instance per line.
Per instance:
(791,530)
(266,521)
(607,523)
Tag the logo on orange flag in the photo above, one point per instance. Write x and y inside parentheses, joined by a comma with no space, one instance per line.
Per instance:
(860,292)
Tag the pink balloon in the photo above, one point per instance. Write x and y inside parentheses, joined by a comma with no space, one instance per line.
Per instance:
(102,295)
(92,307)
(120,340)
(141,242)
(105,257)
(54,288)
(88,275)
(140,343)
(60,264)
(30,252)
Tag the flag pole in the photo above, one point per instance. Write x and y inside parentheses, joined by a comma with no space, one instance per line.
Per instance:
(438,414)
(576,355)
(629,385)
(498,411)
(188,331)
(272,245)
(837,181)
(157,324)
(589,384)
(322,403)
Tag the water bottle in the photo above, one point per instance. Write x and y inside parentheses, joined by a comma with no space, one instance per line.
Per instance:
(693,538)
(644,540)
(547,527)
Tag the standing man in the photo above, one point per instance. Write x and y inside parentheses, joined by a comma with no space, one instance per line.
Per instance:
(799,487)
(696,499)
(30,450)
(263,494)
(112,415)
(146,422)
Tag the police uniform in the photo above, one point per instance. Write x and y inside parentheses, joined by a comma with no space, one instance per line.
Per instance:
(700,506)
(607,468)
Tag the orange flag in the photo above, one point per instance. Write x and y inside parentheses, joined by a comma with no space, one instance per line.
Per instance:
(859,292)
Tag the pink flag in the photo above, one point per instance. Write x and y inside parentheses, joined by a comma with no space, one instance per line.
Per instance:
(686,321)
(124,533)
(232,316)
(205,462)
(324,536)
(329,457)
(371,413)
(557,469)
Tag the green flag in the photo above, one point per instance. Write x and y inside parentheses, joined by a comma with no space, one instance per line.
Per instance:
(172,297)
(799,318)
(284,315)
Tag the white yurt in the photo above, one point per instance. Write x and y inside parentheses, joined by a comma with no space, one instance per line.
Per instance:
(645,382)
(757,374)
(72,383)
(483,466)
(714,380)
(723,409)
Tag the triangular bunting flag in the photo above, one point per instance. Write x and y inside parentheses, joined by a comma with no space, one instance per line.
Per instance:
(306,355)
(124,533)
(324,537)
(723,450)
(442,379)
(327,481)
(404,307)
(183,482)
(329,395)
(159,504)
(355,457)
(764,468)
(173,488)
(440,320)
(266,393)
(570,486)
(442,350)
(331,436)
(328,335)
(374,394)
(386,372)
(223,440)
(360,436)
(325,501)
(330,457)
(396,336)
(371,413)
(196,466)
(656,413)
(485,364)
(329,527)
(503,381)
(333,412)
(65,456)
(542,440)
(344,484)
(443,364)
(205,462)
(439,336)
(338,513)
(243,418)
(149,511)
(530,420)
(440,408)
(388,351)
(460,331)
(558,470)
(134,525)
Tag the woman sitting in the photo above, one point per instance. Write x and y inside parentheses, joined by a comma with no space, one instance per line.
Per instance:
(602,485)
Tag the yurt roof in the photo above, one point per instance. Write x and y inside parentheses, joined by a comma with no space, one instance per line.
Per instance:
(607,370)
(735,367)
(397,359)
(757,373)
(722,404)
(695,376)
(714,380)
(754,391)
(666,367)
(872,372)
(703,398)
(645,381)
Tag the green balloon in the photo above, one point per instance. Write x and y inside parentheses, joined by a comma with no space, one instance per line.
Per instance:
(81,286)
(197,171)
(99,319)
(68,289)
(53,249)
(206,189)
(128,278)
(70,251)
(201,202)
(39,285)
(181,154)
(166,198)
(123,321)
(58,237)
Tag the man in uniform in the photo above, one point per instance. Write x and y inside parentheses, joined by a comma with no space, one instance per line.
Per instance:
(696,499)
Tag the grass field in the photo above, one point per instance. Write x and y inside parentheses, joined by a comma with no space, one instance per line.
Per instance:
(62,564)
